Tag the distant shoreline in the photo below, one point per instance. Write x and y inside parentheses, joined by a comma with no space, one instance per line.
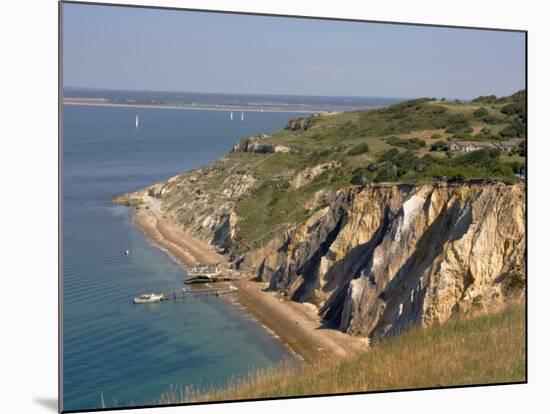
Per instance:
(89,102)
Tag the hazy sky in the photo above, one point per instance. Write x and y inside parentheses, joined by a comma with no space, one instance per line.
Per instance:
(168,50)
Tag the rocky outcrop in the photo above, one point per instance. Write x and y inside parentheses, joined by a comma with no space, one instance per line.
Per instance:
(257,144)
(382,258)
(203,201)
(309,174)
(298,124)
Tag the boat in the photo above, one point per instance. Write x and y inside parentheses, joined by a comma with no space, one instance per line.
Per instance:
(231,116)
(137,122)
(150,298)
(126,252)
(242,116)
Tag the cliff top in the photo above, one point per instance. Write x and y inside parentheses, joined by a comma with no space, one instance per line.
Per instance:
(271,182)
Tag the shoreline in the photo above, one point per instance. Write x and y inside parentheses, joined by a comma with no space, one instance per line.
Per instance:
(296,325)
(189,107)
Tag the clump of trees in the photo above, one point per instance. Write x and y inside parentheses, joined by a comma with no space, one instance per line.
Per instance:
(517,115)
(394,165)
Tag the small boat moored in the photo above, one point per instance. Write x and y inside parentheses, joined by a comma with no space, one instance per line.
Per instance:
(150,298)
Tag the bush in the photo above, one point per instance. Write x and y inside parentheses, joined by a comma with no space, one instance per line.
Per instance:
(457,123)
(510,131)
(393,165)
(436,136)
(490,120)
(409,144)
(519,150)
(485,99)
(361,176)
(359,149)
(385,174)
(514,109)
(439,146)
(480,113)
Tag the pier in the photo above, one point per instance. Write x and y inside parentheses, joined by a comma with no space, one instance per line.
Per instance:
(208,291)
(184,293)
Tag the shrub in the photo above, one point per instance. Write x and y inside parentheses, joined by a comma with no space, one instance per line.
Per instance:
(361,176)
(485,99)
(359,149)
(386,173)
(457,123)
(481,112)
(514,109)
(439,146)
(509,131)
(409,144)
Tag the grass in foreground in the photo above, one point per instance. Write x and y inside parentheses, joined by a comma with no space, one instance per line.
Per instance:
(485,349)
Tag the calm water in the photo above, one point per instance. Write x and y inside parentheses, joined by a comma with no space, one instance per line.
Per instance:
(132,354)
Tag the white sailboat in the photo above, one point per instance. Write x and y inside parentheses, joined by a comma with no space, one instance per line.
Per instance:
(137,122)
(231,116)
(242,116)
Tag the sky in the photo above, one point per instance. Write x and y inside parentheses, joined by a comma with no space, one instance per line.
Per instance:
(173,50)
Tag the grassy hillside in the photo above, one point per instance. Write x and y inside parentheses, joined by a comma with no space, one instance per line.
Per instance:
(402,143)
(406,142)
(480,350)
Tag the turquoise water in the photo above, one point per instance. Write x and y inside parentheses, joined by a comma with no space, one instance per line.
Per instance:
(131,354)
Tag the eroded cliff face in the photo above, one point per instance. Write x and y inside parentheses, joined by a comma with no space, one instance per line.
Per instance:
(382,258)
(378,258)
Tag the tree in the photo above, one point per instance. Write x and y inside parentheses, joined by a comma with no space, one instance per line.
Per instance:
(480,113)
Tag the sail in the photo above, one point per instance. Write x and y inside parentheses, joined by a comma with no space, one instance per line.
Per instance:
(137,122)
(242,116)
(231,117)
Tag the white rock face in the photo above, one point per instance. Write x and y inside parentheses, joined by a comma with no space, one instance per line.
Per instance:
(383,258)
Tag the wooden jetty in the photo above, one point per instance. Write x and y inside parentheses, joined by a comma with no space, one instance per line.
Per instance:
(217,291)
(187,292)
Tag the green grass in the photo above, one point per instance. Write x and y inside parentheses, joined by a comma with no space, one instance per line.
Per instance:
(484,349)
(410,128)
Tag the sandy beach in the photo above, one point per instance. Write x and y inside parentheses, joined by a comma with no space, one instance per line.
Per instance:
(296,324)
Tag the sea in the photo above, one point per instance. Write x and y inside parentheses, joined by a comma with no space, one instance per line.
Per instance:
(115,353)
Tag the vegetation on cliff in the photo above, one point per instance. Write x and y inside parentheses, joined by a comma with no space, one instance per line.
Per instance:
(407,142)
(401,143)
(484,349)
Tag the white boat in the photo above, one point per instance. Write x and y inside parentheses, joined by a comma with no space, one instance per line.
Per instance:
(137,122)
(126,252)
(231,116)
(149,298)
(242,116)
